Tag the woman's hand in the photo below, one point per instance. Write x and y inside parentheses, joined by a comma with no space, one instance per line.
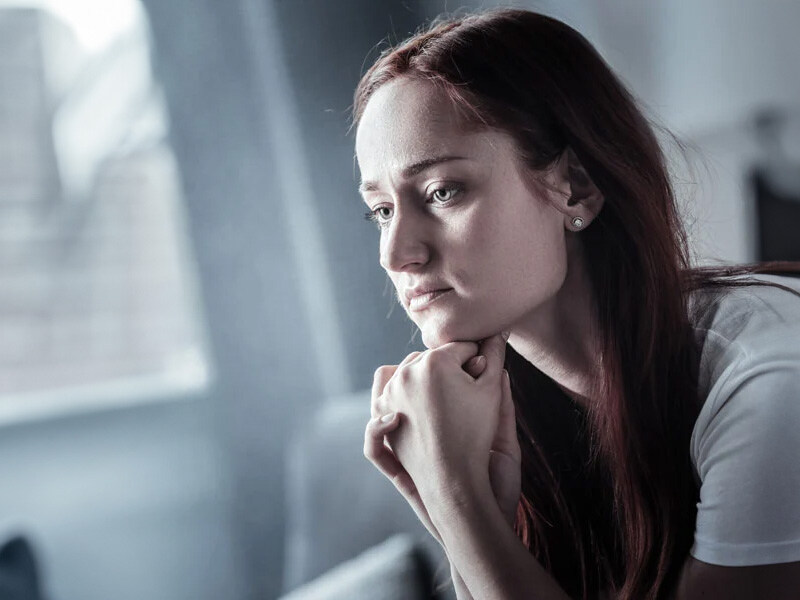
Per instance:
(470,407)
(379,452)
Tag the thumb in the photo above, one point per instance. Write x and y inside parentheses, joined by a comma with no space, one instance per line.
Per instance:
(505,438)
(494,349)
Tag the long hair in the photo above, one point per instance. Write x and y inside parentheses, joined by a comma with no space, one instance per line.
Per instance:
(544,84)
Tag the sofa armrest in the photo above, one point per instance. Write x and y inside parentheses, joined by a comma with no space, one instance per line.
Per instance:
(393,570)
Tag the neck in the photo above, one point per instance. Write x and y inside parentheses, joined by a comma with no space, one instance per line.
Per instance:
(560,337)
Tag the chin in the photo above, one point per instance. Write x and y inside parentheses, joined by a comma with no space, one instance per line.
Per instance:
(437,335)
(433,341)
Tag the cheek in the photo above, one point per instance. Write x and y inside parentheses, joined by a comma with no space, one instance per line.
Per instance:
(475,253)
(523,263)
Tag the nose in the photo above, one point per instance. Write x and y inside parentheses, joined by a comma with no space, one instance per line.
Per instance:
(404,245)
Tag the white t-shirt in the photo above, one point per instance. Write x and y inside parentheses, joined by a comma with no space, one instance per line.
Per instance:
(745,444)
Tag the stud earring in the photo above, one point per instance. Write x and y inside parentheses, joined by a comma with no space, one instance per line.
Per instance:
(577,222)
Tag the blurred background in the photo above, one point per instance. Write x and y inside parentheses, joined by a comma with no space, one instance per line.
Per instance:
(190,302)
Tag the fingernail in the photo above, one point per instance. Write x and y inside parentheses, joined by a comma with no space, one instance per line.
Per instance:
(478,360)
(388,418)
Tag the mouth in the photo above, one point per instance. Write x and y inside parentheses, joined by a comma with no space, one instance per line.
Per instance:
(423,301)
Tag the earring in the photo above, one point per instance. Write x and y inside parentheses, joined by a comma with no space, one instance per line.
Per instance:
(577,222)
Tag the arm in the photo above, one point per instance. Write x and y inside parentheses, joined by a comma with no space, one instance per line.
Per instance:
(382,457)
(504,460)
(703,581)
(747,537)
(487,554)
(462,593)
(496,566)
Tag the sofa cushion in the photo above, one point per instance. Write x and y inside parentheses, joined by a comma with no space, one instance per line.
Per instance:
(392,570)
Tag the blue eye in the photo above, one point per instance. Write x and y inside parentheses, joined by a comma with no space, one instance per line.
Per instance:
(444,195)
(380,216)
(441,196)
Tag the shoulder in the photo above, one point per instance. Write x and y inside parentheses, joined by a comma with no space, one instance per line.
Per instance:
(745,334)
(744,444)
(748,314)
(744,327)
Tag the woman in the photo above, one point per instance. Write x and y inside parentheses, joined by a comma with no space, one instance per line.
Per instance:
(643,445)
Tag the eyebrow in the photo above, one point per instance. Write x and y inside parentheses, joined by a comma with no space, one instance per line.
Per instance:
(411,170)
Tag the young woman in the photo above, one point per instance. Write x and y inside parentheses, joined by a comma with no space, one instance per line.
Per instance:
(593,418)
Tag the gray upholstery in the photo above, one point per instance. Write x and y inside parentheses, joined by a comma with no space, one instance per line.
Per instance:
(339,504)
(392,570)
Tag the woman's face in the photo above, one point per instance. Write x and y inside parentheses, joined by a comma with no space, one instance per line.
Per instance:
(456,215)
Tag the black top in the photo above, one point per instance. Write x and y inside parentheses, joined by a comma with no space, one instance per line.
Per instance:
(559,426)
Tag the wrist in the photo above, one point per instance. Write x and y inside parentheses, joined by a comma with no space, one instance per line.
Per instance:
(451,501)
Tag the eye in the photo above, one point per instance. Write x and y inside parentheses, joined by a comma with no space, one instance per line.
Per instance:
(444,195)
(380,215)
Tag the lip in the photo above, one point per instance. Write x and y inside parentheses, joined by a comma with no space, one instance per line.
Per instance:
(423,288)
(419,299)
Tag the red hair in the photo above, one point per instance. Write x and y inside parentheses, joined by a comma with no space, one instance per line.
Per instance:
(543,83)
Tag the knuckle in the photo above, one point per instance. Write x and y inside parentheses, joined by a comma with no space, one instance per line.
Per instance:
(404,376)
(434,360)
(381,372)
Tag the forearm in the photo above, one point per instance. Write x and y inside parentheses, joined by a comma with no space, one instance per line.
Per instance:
(462,593)
(491,561)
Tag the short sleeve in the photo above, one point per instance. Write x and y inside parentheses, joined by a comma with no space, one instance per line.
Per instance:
(747,455)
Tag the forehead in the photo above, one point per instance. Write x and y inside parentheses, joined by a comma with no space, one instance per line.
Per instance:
(407,120)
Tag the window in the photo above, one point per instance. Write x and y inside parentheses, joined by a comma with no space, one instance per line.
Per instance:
(98,294)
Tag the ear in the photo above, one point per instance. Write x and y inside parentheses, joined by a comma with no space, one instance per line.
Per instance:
(583,200)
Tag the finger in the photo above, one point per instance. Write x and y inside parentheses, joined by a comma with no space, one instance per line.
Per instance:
(418,356)
(383,458)
(505,439)
(408,359)
(476,365)
(494,349)
(382,376)
(459,351)
(382,379)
